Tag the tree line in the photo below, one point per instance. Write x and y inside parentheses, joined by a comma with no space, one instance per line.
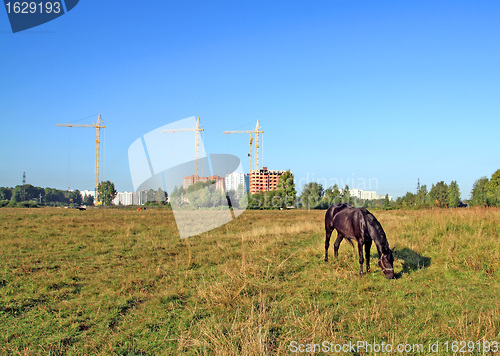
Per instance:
(30,196)
(314,196)
(198,195)
(440,195)
(205,195)
(485,192)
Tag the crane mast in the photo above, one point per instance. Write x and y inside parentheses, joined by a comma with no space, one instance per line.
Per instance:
(197,129)
(98,126)
(258,130)
(251,153)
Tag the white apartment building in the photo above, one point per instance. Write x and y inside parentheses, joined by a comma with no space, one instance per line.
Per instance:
(124,198)
(83,193)
(235,179)
(363,194)
(366,194)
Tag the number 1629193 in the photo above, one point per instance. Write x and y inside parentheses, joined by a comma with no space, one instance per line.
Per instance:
(33,7)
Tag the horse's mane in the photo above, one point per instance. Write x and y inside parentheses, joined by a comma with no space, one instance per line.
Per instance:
(375,224)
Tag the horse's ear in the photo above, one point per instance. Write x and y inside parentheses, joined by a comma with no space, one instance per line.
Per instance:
(393,249)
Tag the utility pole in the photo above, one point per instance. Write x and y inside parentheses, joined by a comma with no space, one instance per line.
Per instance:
(24,186)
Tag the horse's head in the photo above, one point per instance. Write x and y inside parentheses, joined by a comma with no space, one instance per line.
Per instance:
(386,262)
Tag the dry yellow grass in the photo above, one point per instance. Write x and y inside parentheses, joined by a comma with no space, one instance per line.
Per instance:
(122,282)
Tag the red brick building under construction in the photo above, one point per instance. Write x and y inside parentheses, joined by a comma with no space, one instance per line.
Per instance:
(190,180)
(264,180)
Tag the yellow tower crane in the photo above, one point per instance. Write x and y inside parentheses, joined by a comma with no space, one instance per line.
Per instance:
(197,129)
(256,131)
(250,154)
(98,126)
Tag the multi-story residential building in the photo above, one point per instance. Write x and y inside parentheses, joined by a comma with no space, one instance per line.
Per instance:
(234,180)
(264,180)
(140,197)
(87,192)
(192,179)
(124,198)
(363,194)
(366,194)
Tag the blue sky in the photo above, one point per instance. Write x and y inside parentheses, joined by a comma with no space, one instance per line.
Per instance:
(348,91)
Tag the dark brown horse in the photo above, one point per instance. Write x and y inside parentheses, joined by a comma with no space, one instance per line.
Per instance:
(352,223)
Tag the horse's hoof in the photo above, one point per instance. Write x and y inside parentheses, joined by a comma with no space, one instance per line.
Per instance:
(326,259)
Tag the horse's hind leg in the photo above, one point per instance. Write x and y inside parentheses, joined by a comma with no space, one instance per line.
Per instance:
(368,245)
(327,242)
(360,250)
(336,245)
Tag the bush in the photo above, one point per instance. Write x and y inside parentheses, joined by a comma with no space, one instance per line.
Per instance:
(3,203)
(28,204)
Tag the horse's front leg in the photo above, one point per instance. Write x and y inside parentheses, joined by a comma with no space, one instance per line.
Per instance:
(360,250)
(368,245)
(327,242)
(336,245)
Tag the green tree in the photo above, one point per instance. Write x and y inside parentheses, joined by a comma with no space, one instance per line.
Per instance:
(243,201)
(88,200)
(106,192)
(195,198)
(346,195)
(453,195)
(242,197)
(421,198)
(150,196)
(30,193)
(408,199)
(161,196)
(494,182)
(479,193)
(312,196)
(439,194)
(75,198)
(493,188)
(332,195)
(256,201)
(272,200)
(5,193)
(218,198)
(176,196)
(241,191)
(387,202)
(55,197)
(286,190)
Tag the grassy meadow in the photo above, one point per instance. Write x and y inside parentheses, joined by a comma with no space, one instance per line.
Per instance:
(122,282)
